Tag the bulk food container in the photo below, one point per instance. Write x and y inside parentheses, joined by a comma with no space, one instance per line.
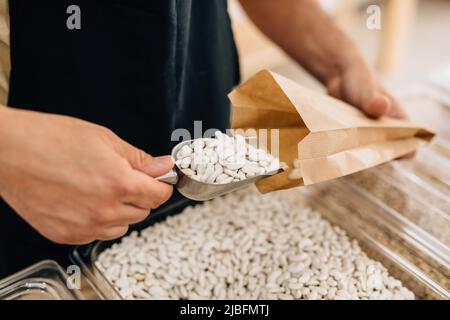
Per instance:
(442,147)
(45,280)
(415,194)
(341,205)
(432,166)
(85,256)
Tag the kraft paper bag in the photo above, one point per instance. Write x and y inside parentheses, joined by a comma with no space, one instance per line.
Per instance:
(330,138)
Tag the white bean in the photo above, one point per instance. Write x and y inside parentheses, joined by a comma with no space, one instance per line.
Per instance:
(234,156)
(188,172)
(185,163)
(184,152)
(246,246)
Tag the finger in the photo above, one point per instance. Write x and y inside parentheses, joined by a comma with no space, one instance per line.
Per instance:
(397,112)
(146,192)
(144,162)
(154,166)
(112,232)
(127,214)
(377,106)
(334,88)
(133,214)
(372,105)
(63,234)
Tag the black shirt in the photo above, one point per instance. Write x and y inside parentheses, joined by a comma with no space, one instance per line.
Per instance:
(141,68)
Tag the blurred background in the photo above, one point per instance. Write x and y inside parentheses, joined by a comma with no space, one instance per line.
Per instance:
(410,52)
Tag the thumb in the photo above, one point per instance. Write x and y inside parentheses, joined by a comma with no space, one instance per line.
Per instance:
(377,106)
(144,162)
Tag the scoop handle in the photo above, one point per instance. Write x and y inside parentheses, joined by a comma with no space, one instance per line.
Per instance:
(170,177)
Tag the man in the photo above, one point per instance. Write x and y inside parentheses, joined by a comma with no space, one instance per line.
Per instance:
(139,69)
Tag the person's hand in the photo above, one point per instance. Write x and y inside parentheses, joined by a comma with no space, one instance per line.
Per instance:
(75,181)
(307,33)
(357,86)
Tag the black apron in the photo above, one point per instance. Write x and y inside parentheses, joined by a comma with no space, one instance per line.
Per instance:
(141,68)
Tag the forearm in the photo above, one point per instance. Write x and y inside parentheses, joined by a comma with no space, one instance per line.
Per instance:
(305,32)
(4,114)
(3,125)
(2,110)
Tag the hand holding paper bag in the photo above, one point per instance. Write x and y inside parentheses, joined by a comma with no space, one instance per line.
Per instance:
(330,138)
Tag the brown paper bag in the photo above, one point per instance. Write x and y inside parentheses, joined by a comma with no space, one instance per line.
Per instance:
(330,138)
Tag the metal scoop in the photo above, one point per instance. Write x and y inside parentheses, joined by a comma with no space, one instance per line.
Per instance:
(202,191)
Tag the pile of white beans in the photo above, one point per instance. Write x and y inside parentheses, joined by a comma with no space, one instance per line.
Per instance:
(246,246)
(224,159)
